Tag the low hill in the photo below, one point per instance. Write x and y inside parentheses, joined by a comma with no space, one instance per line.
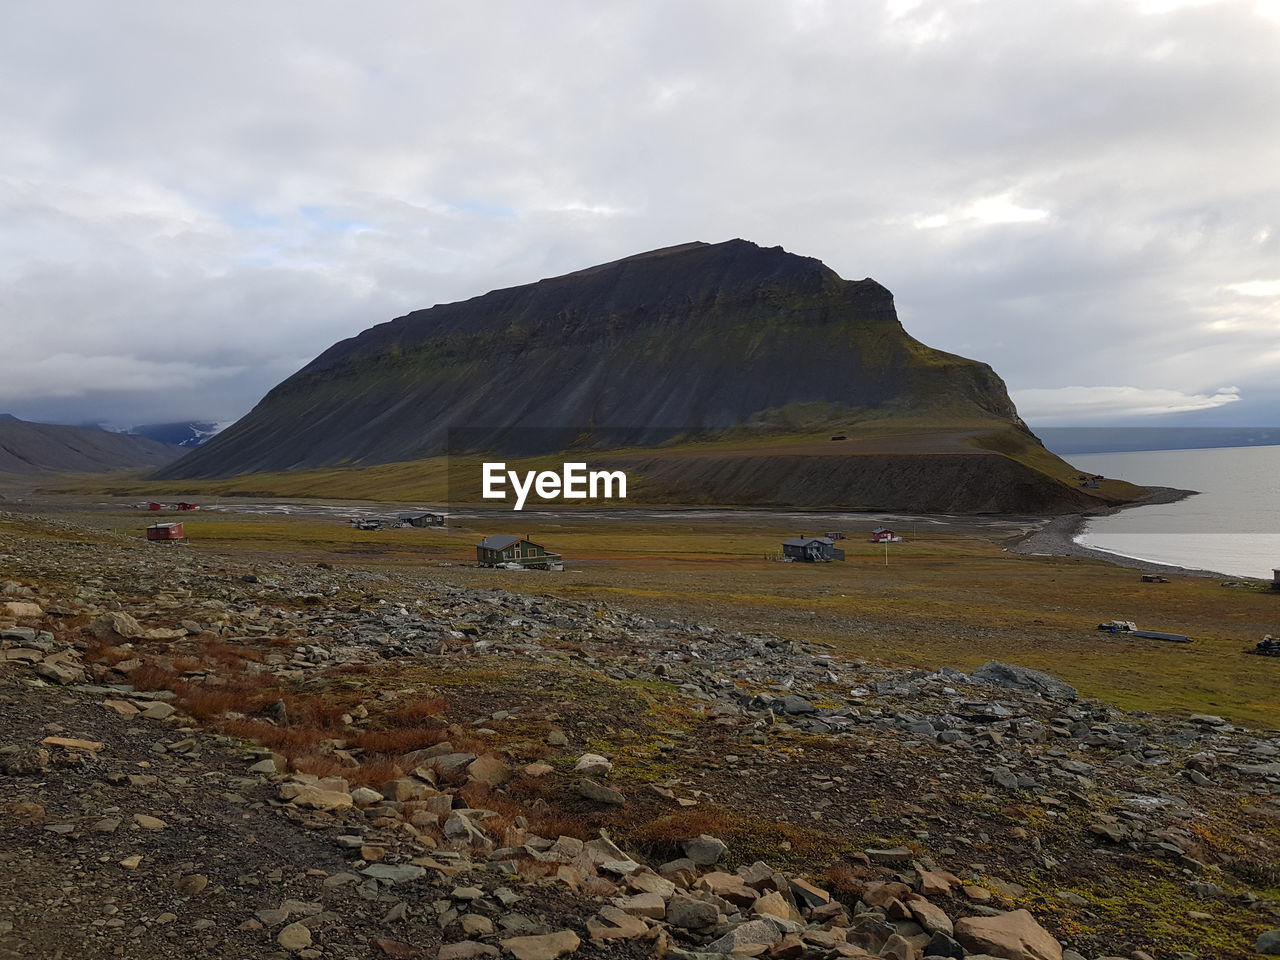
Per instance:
(39,448)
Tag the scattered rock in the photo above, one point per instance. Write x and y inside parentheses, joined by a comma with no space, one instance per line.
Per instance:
(68,743)
(890,855)
(545,947)
(191,885)
(599,793)
(705,850)
(60,672)
(394,872)
(489,769)
(159,711)
(611,923)
(592,764)
(1009,675)
(643,905)
(691,914)
(1012,936)
(22,609)
(796,705)
(467,950)
(318,798)
(294,937)
(115,626)
(751,933)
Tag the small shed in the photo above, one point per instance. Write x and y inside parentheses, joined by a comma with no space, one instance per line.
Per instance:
(494,550)
(811,549)
(165,531)
(883,535)
(424,519)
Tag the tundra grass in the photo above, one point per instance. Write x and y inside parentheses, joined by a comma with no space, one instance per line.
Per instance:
(947,598)
(427,480)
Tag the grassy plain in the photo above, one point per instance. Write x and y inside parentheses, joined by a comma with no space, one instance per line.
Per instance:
(456,479)
(951,594)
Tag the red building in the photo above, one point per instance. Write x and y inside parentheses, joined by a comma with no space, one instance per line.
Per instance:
(165,531)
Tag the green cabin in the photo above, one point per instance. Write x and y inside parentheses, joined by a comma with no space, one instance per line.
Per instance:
(492,551)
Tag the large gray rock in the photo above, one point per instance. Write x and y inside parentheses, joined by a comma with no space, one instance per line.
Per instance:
(115,626)
(705,850)
(691,914)
(751,933)
(451,766)
(793,703)
(599,793)
(1024,678)
(59,672)
(1269,943)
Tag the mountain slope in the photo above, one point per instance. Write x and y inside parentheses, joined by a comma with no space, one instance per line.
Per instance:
(36,448)
(691,339)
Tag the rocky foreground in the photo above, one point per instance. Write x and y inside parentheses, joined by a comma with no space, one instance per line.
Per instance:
(206,757)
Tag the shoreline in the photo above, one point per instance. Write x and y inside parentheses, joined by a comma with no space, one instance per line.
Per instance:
(1057,538)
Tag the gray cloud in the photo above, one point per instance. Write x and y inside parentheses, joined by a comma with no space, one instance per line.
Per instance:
(194,201)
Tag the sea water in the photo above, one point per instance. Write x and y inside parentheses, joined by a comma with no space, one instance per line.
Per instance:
(1232,526)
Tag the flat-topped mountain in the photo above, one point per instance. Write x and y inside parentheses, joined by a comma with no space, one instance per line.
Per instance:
(731,342)
(698,337)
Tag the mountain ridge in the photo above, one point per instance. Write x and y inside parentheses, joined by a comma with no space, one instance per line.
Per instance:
(28,449)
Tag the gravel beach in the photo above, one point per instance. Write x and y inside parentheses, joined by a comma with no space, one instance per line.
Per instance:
(1057,537)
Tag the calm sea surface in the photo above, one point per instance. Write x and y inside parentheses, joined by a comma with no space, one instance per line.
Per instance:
(1231,526)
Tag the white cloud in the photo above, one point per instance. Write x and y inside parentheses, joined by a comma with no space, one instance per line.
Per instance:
(1085,404)
(1073,192)
(1256,288)
(70,374)
(983,212)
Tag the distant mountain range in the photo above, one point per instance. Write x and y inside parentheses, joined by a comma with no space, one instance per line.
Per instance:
(1068,440)
(188,434)
(687,343)
(38,448)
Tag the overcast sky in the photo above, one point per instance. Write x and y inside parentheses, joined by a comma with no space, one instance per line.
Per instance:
(198,198)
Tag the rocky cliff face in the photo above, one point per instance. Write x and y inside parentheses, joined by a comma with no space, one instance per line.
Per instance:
(695,338)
